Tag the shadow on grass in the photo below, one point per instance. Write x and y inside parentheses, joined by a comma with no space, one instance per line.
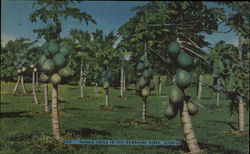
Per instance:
(85,132)
(206,97)
(14,114)
(3,103)
(24,137)
(72,88)
(63,102)
(122,107)
(231,124)
(155,119)
(74,109)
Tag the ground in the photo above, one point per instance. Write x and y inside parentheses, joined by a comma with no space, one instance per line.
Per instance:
(25,128)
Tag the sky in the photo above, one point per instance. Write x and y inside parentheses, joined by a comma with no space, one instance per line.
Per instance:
(109,15)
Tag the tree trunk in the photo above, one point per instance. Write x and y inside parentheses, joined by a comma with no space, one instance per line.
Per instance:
(122,81)
(107,97)
(22,83)
(188,130)
(144,107)
(241,103)
(199,94)
(81,80)
(46,102)
(37,79)
(17,84)
(218,93)
(34,86)
(159,85)
(54,113)
(84,82)
(241,115)
(96,93)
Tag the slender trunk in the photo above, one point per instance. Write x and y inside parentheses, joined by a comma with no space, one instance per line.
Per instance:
(96,93)
(218,93)
(199,87)
(188,130)
(17,84)
(37,79)
(22,83)
(159,85)
(107,97)
(144,107)
(84,82)
(241,115)
(46,102)
(54,113)
(81,80)
(241,103)
(34,87)
(122,81)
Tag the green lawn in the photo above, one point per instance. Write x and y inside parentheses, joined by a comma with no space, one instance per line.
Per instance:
(26,129)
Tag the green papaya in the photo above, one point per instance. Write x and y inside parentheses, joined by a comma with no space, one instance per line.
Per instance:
(173,48)
(106,84)
(56,78)
(44,78)
(48,65)
(176,96)
(184,60)
(170,111)
(140,67)
(192,108)
(147,73)
(183,79)
(142,82)
(53,47)
(65,72)
(145,92)
(59,59)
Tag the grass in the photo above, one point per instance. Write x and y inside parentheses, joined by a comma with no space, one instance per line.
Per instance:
(26,129)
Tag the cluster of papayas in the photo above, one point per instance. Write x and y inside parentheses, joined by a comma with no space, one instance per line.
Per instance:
(144,84)
(183,79)
(106,78)
(53,62)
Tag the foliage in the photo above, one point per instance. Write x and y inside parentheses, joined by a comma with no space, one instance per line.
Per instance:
(239,18)
(232,71)
(158,23)
(16,54)
(55,11)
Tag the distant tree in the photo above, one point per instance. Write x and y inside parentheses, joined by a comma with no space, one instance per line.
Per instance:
(239,21)
(106,60)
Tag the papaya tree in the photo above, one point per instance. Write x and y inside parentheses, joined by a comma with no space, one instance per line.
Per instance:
(124,55)
(82,48)
(55,51)
(238,20)
(234,76)
(105,58)
(144,85)
(22,61)
(33,58)
(218,68)
(185,23)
